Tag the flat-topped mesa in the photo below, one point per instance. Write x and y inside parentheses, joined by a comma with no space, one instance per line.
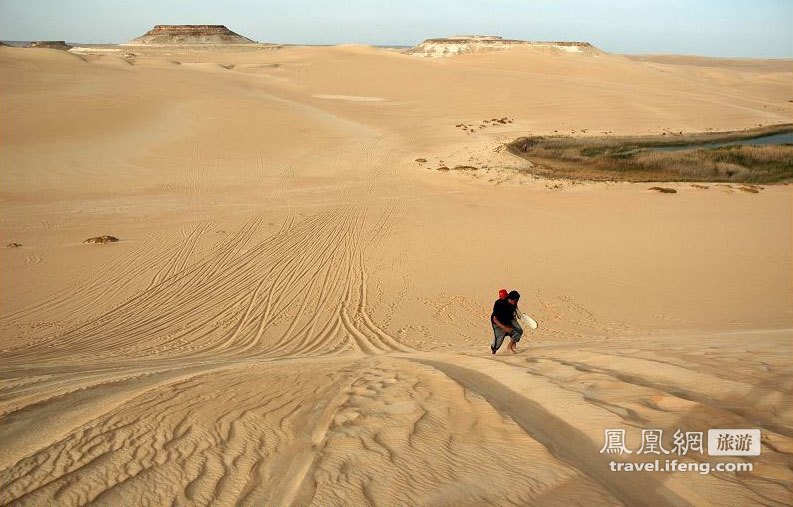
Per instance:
(188,35)
(50,44)
(463,44)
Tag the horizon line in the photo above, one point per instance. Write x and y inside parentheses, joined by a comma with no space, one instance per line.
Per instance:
(628,52)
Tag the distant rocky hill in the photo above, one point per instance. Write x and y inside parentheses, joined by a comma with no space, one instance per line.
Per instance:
(462,44)
(50,44)
(186,35)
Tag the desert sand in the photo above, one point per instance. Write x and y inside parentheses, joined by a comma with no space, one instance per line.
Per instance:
(297,312)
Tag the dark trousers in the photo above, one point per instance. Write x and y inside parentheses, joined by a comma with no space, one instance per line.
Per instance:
(500,334)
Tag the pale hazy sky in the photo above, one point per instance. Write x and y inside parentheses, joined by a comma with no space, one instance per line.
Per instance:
(757,28)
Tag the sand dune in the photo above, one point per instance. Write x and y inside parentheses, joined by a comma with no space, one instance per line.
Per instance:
(741,64)
(297,310)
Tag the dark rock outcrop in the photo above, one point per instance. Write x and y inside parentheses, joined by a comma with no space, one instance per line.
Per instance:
(101,240)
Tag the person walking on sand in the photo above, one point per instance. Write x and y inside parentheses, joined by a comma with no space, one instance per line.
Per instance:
(504,322)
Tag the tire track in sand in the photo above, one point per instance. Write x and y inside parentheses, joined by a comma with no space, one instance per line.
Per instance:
(251,296)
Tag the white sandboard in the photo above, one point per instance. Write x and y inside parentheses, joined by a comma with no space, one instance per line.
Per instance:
(525,318)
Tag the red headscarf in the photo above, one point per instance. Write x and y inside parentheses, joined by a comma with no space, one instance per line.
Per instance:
(502,294)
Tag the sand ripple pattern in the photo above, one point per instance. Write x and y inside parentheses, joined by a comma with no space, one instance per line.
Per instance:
(323,437)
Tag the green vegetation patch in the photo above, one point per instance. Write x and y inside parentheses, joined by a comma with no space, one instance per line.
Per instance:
(639,159)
